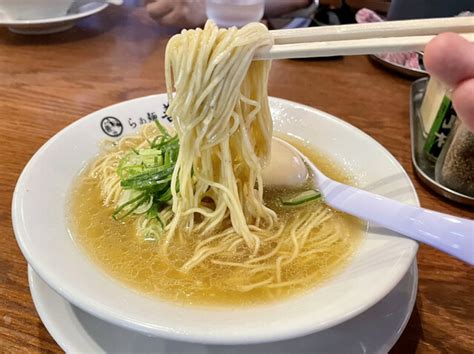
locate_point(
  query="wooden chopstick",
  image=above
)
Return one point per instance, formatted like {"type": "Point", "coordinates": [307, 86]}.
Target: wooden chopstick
{"type": "Point", "coordinates": [378, 29]}
{"type": "Point", "coordinates": [359, 39]}
{"type": "Point", "coordinates": [349, 47]}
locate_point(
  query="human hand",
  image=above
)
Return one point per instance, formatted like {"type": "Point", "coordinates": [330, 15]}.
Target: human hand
{"type": "Point", "coordinates": [179, 13]}
{"type": "Point", "coordinates": [450, 58]}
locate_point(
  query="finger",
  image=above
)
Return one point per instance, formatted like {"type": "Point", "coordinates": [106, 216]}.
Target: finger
{"type": "Point", "coordinates": [450, 58]}
{"type": "Point", "coordinates": [160, 8]}
{"type": "Point", "coordinates": [174, 18]}
{"type": "Point", "coordinates": [463, 101]}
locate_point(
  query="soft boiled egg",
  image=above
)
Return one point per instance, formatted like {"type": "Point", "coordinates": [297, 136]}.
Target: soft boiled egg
{"type": "Point", "coordinates": [286, 169]}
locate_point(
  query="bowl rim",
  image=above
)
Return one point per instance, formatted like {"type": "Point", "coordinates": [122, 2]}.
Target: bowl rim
{"type": "Point", "coordinates": [48, 318]}
{"type": "Point", "coordinates": [89, 305]}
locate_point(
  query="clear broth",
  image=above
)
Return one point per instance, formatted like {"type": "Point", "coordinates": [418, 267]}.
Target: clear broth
{"type": "Point", "coordinates": [116, 249]}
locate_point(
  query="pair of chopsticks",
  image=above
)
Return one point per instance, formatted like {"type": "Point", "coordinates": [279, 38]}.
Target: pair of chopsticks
{"type": "Point", "coordinates": [361, 39]}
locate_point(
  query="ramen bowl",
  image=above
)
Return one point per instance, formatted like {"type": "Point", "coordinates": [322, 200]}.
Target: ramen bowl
{"type": "Point", "coordinates": [39, 215]}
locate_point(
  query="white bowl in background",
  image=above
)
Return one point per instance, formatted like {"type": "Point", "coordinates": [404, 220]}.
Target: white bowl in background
{"type": "Point", "coordinates": [39, 221]}
{"type": "Point", "coordinates": [33, 9]}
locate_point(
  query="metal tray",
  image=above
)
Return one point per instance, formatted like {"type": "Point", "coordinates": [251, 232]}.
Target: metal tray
{"type": "Point", "coordinates": [424, 168]}
{"type": "Point", "coordinates": [400, 69]}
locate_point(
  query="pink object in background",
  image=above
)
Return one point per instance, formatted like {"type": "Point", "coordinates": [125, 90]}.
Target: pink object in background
{"type": "Point", "coordinates": [407, 59]}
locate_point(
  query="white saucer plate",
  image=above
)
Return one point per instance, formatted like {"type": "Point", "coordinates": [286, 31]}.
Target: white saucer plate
{"type": "Point", "coordinates": [374, 331]}
{"type": "Point", "coordinates": [56, 24]}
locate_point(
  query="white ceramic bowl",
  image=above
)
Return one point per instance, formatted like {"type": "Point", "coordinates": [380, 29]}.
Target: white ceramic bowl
{"type": "Point", "coordinates": [39, 222]}
{"type": "Point", "coordinates": [33, 9]}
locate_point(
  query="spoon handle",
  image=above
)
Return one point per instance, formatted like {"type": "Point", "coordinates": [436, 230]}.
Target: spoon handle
{"type": "Point", "coordinates": [447, 233]}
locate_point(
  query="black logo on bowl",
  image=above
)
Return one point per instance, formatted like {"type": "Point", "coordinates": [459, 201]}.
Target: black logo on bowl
{"type": "Point", "coordinates": [111, 126]}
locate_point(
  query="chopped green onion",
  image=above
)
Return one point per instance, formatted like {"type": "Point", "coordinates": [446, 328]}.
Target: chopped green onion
{"type": "Point", "coordinates": [149, 152]}
{"type": "Point", "coordinates": [145, 175]}
{"type": "Point", "coordinates": [160, 220]}
{"type": "Point", "coordinates": [161, 128]}
{"type": "Point", "coordinates": [166, 196]}
{"type": "Point", "coordinates": [301, 198]}
{"type": "Point", "coordinates": [153, 213]}
{"type": "Point", "coordinates": [134, 203]}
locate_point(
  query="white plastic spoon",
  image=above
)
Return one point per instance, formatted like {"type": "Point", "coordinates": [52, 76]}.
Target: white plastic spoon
{"type": "Point", "coordinates": [447, 233]}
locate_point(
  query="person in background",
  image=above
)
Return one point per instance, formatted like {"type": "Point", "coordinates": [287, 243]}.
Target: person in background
{"type": "Point", "coordinates": [192, 13]}
{"type": "Point", "coordinates": [450, 58]}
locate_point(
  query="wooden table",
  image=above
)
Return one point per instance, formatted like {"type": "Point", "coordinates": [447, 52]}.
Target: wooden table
{"type": "Point", "coordinates": [47, 82]}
